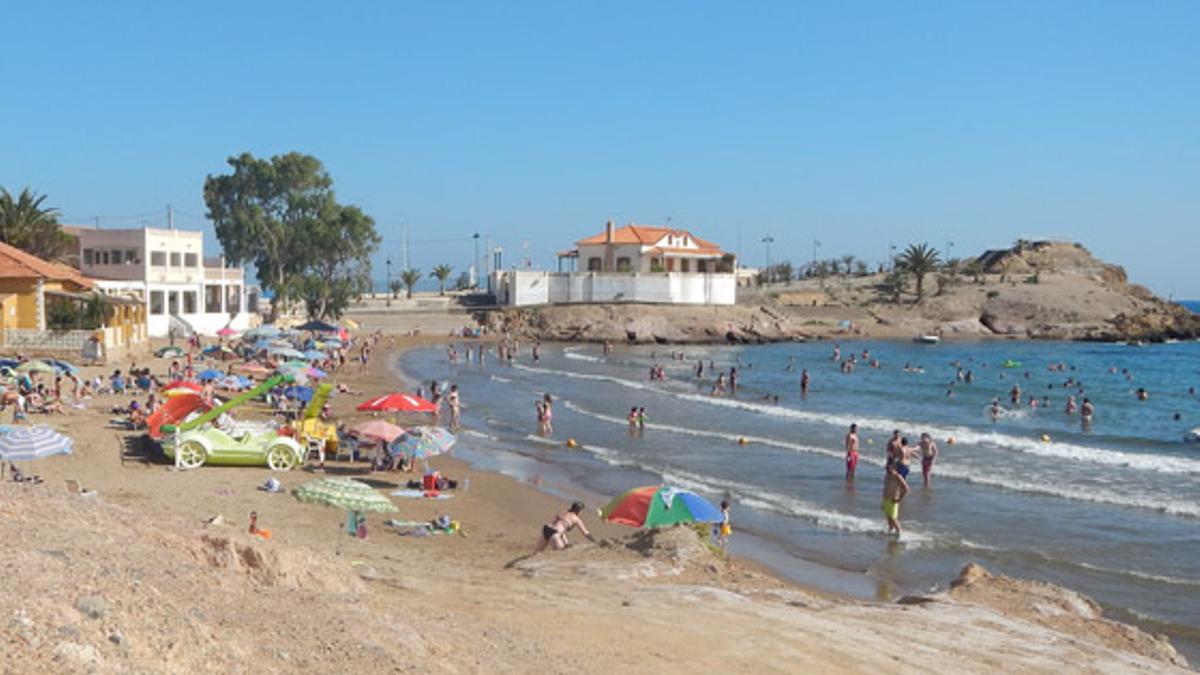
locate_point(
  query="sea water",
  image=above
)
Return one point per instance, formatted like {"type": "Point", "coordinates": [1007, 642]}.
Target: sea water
{"type": "Point", "coordinates": [1111, 510]}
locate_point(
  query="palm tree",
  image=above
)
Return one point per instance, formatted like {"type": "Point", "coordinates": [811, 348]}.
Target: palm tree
{"type": "Point", "coordinates": [893, 284]}
{"type": "Point", "coordinates": [29, 226]}
{"type": "Point", "coordinates": [441, 273]}
{"type": "Point", "coordinates": [410, 277]}
{"type": "Point", "coordinates": [919, 260]}
{"type": "Point", "coordinates": [394, 286]}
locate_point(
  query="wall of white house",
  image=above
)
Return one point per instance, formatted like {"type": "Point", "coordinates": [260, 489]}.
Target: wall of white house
{"type": "Point", "coordinates": [225, 301]}
{"type": "Point", "coordinates": [518, 288]}
{"type": "Point", "coordinates": [637, 261]}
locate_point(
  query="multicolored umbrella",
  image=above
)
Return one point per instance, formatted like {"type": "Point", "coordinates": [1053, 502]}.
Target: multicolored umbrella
{"type": "Point", "coordinates": [398, 402]}
{"type": "Point", "coordinates": [421, 442]}
{"type": "Point", "coordinates": [28, 443]}
{"type": "Point", "coordinates": [655, 506]}
{"type": "Point", "coordinates": [35, 367]}
{"type": "Point", "coordinates": [169, 350]}
{"type": "Point", "coordinates": [344, 493]}
{"type": "Point", "coordinates": [378, 430]}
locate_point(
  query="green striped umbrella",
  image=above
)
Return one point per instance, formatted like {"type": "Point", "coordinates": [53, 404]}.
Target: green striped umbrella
{"type": "Point", "coordinates": [344, 493]}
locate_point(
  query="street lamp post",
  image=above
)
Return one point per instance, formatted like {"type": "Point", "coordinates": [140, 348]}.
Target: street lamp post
{"type": "Point", "coordinates": [768, 240]}
{"type": "Point", "coordinates": [475, 261]}
{"type": "Point", "coordinates": [816, 245]}
{"type": "Point", "coordinates": [387, 291]}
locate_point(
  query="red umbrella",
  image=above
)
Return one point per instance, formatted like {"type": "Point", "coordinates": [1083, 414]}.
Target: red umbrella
{"type": "Point", "coordinates": [398, 402]}
{"type": "Point", "coordinates": [183, 384]}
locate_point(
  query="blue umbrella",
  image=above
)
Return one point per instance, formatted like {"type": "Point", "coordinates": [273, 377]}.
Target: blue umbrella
{"type": "Point", "coordinates": [62, 366]}
{"type": "Point", "coordinates": [210, 374]}
{"type": "Point", "coordinates": [266, 330]}
{"type": "Point", "coordinates": [287, 352]}
{"type": "Point", "coordinates": [422, 442]}
{"type": "Point", "coordinates": [315, 355]}
{"type": "Point", "coordinates": [29, 443]}
{"type": "Point", "coordinates": [304, 394]}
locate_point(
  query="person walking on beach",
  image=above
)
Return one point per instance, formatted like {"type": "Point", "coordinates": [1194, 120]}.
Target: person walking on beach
{"type": "Point", "coordinates": [455, 407]}
{"type": "Point", "coordinates": [929, 453]}
{"type": "Point", "coordinates": [895, 488]}
{"type": "Point", "coordinates": [851, 452]}
{"type": "Point", "coordinates": [554, 533]}
{"type": "Point", "coordinates": [805, 380]}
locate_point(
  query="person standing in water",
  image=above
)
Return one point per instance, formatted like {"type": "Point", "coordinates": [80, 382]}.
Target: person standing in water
{"type": "Point", "coordinates": [455, 407]}
{"type": "Point", "coordinates": [733, 381]}
{"type": "Point", "coordinates": [547, 415]}
{"type": "Point", "coordinates": [895, 488]}
{"type": "Point", "coordinates": [719, 386]}
{"type": "Point", "coordinates": [929, 453]}
{"type": "Point", "coordinates": [805, 380]}
{"type": "Point", "coordinates": [1086, 412]}
{"type": "Point", "coordinates": [851, 452]}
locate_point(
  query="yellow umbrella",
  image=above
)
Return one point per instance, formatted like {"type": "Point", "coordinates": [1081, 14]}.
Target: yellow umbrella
{"type": "Point", "coordinates": [351, 323]}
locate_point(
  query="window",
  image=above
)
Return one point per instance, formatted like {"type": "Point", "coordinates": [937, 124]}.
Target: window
{"type": "Point", "coordinates": [212, 299]}
{"type": "Point", "coordinates": [173, 302]}
{"type": "Point", "coordinates": [156, 302]}
{"type": "Point", "coordinates": [117, 254]}
{"type": "Point", "coordinates": [158, 258]}
{"type": "Point", "coordinates": [252, 302]}
{"type": "Point", "coordinates": [131, 256]}
{"type": "Point", "coordinates": [103, 257]}
{"type": "Point", "coordinates": [701, 265]}
{"type": "Point", "coordinates": [190, 260]}
{"type": "Point", "coordinates": [594, 264]}
{"type": "Point", "coordinates": [189, 302]}
{"type": "Point", "coordinates": [623, 264]}
{"type": "Point", "coordinates": [87, 256]}
{"type": "Point", "coordinates": [683, 265]}
{"type": "Point", "coordinates": [233, 299]}
{"type": "Point", "coordinates": [174, 258]}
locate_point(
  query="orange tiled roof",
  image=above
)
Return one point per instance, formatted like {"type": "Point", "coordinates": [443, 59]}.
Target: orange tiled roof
{"type": "Point", "coordinates": [704, 250]}
{"type": "Point", "coordinates": [645, 235]}
{"type": "Point", "coordinates": [17, 264]}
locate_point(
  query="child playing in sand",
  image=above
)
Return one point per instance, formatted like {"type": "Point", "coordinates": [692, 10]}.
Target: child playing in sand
{"type": "Point", "coordinates": [894, 490]}
{"type": "Point", "coordinates": [722, 530]}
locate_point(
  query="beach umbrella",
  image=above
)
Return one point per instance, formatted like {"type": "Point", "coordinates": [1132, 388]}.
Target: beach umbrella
{"type": "Point", "coordinates": [287, 353]}
{"type": "Point", "coordinates": [235, 382]}
{"type": "Point", "coordinates": [252, 369]}
{"type": "Point", "coordinates": [226, 332]}
{"type": "Point", "coordinates": [344, 493]}
{"type": "Point", "coordinates": [62, 366]}
{"type": "Point", "coordinates": [317, 326]}
{"type": "Point", "coordinates": [315, 372]}
{"type": "Point", "coordinates": [264, 331]}
{"type": "Point", "coordinates": [655, 506]}
{"type": "Point", "coordinates": [168, 351]}
{"type": "Point", "coordinates": [35, 367]}
{"type": "Point", "coordinates": [315, 355]}
{"type": "Point", "coordinates": [421, 442]}
{"type": "Point", "coordinates": [398, 402]}
{"type": "Point", "coordinates": [29, 443]}
{"type": "Point", "coordinates": [210, 374]}
{"type": "Point", "coordinates": [11, 364]}
{"type": "Point", "coordinates": [184, 384]}
{"type": "Point", "coordinates": [378, 430]}
{"type": "Point", "coordinates": [332, 343]}
{"type": "Point", "coordinates": [351, 323]}
{"type": "Point", "coordinates": [299, 393]}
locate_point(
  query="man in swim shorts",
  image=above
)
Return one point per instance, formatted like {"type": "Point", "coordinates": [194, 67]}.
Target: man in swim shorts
{"type": "Point", "coordinates": [851, 452]}
{"type": "Point", "coordinates": [894, 490]}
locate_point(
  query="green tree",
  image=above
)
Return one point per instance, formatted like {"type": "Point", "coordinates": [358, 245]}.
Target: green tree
{"type": "Point", "coordinates": [410, 277]}
{"type": "Point", "coordinates": [395, 287]}
{"type": "Point", "coordinates": [847, 264]}
{"type": "Point", "coordinates": [281, 214]}
{"type": "Point", "coordinates": [919, 260]}
{"type": "Point", "coordinates": [441, 273]}
{"type": "Point", "coordinates": [894, 283]}
{"type": "Point", "coordinates": [30, 226]}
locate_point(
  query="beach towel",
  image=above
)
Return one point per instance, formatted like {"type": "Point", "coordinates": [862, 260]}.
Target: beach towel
{"type": "Point", "coordinates": [420, 494]}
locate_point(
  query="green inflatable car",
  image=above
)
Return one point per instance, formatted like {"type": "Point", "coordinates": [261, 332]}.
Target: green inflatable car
{"type": "Point", "coordinates": [240, 444]}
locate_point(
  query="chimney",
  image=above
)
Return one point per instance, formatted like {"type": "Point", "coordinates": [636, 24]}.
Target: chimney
{"type": "Point", "coordinates": [608, 232]}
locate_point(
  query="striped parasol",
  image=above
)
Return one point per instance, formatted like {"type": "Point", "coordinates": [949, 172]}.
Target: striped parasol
{"type": "Point", "coordinates": [344, 493]}
{"type": "Point", "coordinates": [422, 442]}
{"type": "Point", "coordinates": [28, 443]}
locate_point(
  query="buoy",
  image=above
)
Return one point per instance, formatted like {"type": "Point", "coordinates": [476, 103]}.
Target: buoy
{"type": "Point", "coordinates": [870, 441]}
{"type": "Point", "coordinates": [1045, 438]}
{"type": "Point", "coordinates": [950, 441]}
{"type": "Point", "coordinates": [742, 440]}
{"type": "Point", "coordinates": [571, 443]}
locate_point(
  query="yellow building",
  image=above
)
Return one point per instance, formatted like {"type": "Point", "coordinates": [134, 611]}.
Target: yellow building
{"type": "Point", "coordinates": [32, 289]}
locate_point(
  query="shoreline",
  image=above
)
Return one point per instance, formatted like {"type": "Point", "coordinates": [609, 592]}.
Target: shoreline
{"type": "Point", "coordinates": [154, 554]}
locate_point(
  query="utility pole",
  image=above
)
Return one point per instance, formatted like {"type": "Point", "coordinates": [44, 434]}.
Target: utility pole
{"type": "Point", "coordinates": [405, 226]}
{"type": "Point", "coordinates": [96, 219]}
{"type": "Point", "coordinates": [170, 218]}
{"type": "Point", "coordinates": [475, 261]}
{"type": "Point", "coordinates": [768, 240]}
{"type": "Point", "coordinates": [387, 290]}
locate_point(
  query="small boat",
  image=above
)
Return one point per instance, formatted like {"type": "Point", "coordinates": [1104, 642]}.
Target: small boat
{"type": "Point", "coordinates": [927, 339]}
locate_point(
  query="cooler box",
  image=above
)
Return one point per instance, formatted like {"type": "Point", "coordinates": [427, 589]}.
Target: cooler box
{"type": "Point", "coordinates": [430, 481]}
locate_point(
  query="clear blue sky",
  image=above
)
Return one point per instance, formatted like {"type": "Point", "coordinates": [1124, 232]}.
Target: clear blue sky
{"type": "Point", "coordinates": [856, 124]}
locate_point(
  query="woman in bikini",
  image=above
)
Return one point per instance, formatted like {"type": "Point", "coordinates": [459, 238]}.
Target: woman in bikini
{"type": "Point", "coordinates": [554, 533]}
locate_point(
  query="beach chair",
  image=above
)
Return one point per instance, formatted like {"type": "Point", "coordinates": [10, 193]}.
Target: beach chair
{"type": "Point", "coordinates": [316, 448]}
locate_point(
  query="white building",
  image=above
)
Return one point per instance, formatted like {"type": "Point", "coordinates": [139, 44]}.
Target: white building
{"type": "Point", "coordinates": [167, 270]}
{"type": "Point", "coordinates": [635, 263]}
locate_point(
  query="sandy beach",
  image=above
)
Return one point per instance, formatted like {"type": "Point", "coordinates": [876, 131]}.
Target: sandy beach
{"type": "Point", "coordinates": [137, 577]}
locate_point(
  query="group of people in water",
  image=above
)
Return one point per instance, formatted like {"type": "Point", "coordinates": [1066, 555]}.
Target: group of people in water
{"type": "Point", "coordinates": [899, 455]}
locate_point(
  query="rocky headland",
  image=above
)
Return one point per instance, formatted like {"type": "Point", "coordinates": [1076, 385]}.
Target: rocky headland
{"type": "Point", "coordinates": [1034, 290]}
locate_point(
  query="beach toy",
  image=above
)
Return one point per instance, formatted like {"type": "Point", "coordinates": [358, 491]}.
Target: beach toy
{"type": "Point", "coordinates": [571, 443]}
{"type": "Point", "coordinates": [742, 440]}
{"type": "Point", "coordinates": [950, 441]}
{"type": "Point", "coordinates": [1045, 438]}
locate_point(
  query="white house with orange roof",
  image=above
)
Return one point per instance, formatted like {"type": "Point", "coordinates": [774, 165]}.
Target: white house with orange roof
{"type": "Point", "coordinates": [634, 263]}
